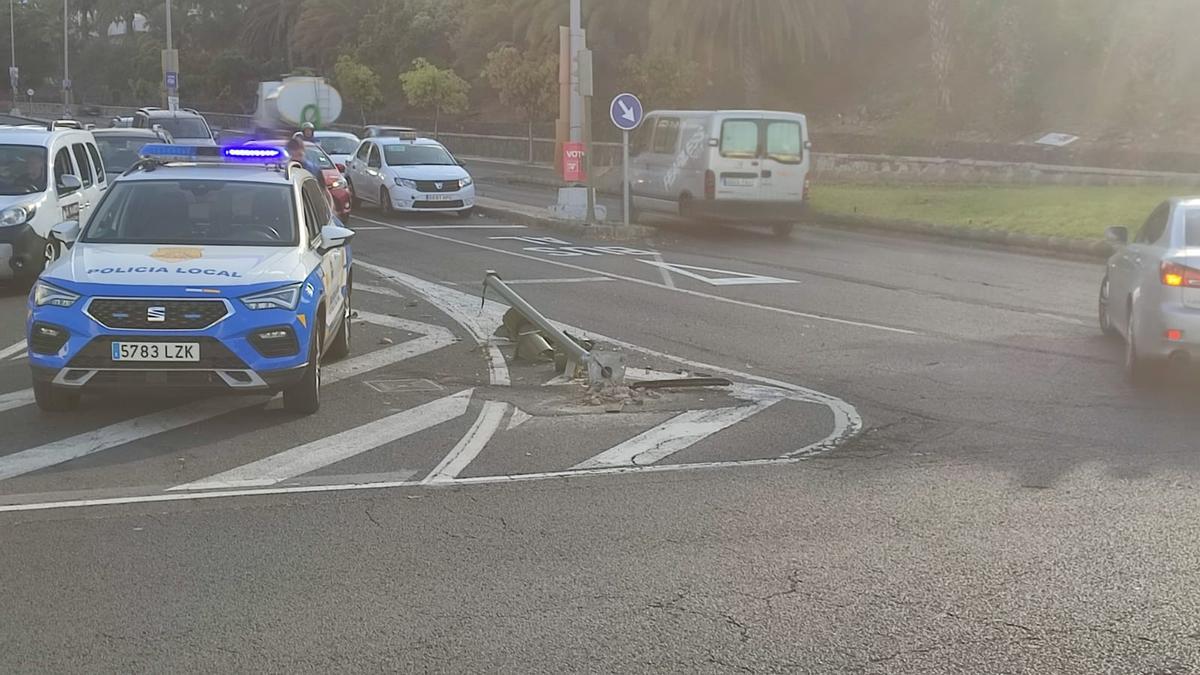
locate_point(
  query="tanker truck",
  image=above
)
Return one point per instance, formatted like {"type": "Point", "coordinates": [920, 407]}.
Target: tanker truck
{"type": "Point", "coordinates": [285, 105]}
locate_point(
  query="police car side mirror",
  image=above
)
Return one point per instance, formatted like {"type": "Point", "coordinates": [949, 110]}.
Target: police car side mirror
{"type": "Point", "coordinates": [68, 183]}
{"type": "Point", "coordinates": [66, 232]}
{"type": "Point", "coordinates": [335, 236]}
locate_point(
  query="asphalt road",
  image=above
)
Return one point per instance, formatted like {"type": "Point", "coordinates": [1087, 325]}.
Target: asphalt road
{"type": "Point", "coordinates": [1007, 505]}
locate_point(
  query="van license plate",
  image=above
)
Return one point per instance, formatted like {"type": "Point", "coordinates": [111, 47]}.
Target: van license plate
{"type": "Point", "coordinates": [156, 351]}
{"type": "Point", "coordinates": [739, 182]}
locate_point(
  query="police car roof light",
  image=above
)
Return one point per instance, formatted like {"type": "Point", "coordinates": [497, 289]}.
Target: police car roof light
{"type": "Point", "coordinates": [164, 152]}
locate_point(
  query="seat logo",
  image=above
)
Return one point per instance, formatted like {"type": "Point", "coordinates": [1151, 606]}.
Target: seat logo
{"type": "Point", "coordinates": [156, 314]}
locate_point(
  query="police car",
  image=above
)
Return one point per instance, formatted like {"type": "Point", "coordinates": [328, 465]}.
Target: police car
{"type": "Point", "coordinates": [202, 268]}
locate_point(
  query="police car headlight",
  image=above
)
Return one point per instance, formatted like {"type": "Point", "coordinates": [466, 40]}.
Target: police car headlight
{"type": "Point", "coordinates": [45, 294]}
{"type": "Point", "coordinates": [406, 183]}
{"type": "Point", "coordinates": [286, 297]}
{"type": "Point", "coordinates": [465, 182]}
{"type": "Point", "coordinates": [338, 184]}
{"type": "Point", "coordinates": [16, 215]}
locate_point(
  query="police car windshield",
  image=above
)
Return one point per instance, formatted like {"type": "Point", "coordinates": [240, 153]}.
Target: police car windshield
{"type": "Point", "coordinates": [337, 145]}
{"type": "Point", "coordinates": [408, 154]}
{"type": "Point", "coordinates": [197, 212]}
{"type": "Point", "coordinates": [183, 127]}
{"type": "Point", "coordinates": [120, 152]}
{"type": "Point", "coordinates": [22, 169]}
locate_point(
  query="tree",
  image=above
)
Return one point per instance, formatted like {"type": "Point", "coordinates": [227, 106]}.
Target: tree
{"type": "Point", "coordinates": [661, 79]}
{"type": "Point", "coordinates": [941, 52]}
{"type": "Point", "coordinates": [755, 32]}
{"type": "Point", "coordinates": [358, 82]}
{"type": "Point", "coordinates": [323, 27]}
{"type": "Point", "coordinates": [440, 89]}
{"type": "Point", "coordinates": [526, 81]}
{"type": "Point", "coordinates": [268, 26]}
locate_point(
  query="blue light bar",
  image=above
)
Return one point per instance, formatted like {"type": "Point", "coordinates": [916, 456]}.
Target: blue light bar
{"type": "Point", "coordinates": [164, 152]}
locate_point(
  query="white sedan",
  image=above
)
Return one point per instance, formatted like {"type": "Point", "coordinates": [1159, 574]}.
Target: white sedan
{"type": "Point", "coordinates": [412, 175]}
{"type": "Point", "coordinates": [339, 145]}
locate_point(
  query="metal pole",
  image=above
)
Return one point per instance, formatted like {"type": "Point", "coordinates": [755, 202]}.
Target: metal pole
{"type": "Point", "coordinates": [66, 64]}
{"type": "Point", "coordinates": [168, 25]}
{"type": "Point", "coordinates": [571, 347]}
{"type": "Point", "coordinates": [12, 38]}
{"type": "Point", "coordinates": [625, 174]}
{"type": "Point", "coordinates": [576, 118]}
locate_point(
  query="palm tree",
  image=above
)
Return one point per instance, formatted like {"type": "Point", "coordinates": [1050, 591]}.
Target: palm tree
{"type": "Point", "coordinates": [750, 33]}
{"type": "Point", "coordinates": [324, 27]}
{"type": "Point", "coordinates": [268, 26]}
{"type": "Point", "coordinates": [941, 51]}
{"type": "Point", "coordinates": [541, 18]}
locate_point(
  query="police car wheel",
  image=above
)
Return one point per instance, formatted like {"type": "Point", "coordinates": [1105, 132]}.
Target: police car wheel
{"type": "Point", "coordinates": [341, 344]}
{"type": "Point", "coordinates": [52, 399]}
{"type": "Point", "coordinates": [385, 202]}
{"type": "Point", "coordinates": [304, 397]}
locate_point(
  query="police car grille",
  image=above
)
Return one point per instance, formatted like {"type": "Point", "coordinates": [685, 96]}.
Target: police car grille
{"type": "Point", "coordinates": [176, 314]}
{"type": "Point", "coordinates": [213, 354]}
{"type": "Point", "coordinates": [432, 186]}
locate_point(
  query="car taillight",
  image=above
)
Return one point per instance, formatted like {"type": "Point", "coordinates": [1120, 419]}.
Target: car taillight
{"type": "Point", "coordinates": [710, 184]}
{"type": "Point", "coordinates": [1174, 274]}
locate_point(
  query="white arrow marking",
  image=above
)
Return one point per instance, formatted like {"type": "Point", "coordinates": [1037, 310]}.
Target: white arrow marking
{"type": "Point", "coordinates": [16, 399]}
{"type": "Point", "coordinates": [728, 279]}
{"type": "Point", "coordinates": [678, 433]}
{"type": "Point", "coordinates": [626, 111]}
{"type": "Point", "coordinates": [321, 453]}
{"type": "Point", "coordinates": [470, 445]}
{"type": "Point", "coordinates": [12, 349]}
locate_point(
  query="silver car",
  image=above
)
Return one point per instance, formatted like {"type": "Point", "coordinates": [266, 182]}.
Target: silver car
{"type": "Point", "coordinates": [1151, 291]}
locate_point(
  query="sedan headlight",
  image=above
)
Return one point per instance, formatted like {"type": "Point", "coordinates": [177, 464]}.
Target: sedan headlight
{"type": "Point", "coordinates": [16, 215]}
{"type": "Point", "coordinates": [287, 297]}
{"type": "Point", "coordinates": [465, 182]}
{"type": "Point", "coordinates": [45, 294]}
{"type": "Point", "coordinates": [406, 183]}
{"type": "Point", "coordinates": [338, 184]}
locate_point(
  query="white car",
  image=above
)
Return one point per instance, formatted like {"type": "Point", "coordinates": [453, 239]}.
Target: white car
{"type": "Point", "coordinates": [46, 177]}
{"type": "Point", "coordinates": [418, 175]}
{"type": "Point", "coordinates": [339, 145]}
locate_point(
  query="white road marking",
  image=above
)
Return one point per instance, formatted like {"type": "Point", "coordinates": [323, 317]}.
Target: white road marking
{"type": "Point", "coordinates": [470, 445]}
{"type": "Point", "coordinates": [644, 282]}
{"type": "Point", "coordinates": [668, 281]}
{"type": "Point", "coordinates": [16, 399]}
{"type": "Point", "coordinates": [518, 418]}
{"type": "Point", "coordinates": [678, 433]}
{"type": "Point", "coordinates": [128, 431]}
{"type": "Point", "coordinates": [12, 349]}
{"type": "Point", "coordinates": [369, 228]}
{"type": "Point", "coordinates": [377, 290]}
{"type": "Point", "coordinates": [323, 452]}
{"type": "Point", "coordinates": [20, 355]}
{"type": "Point", "coordinates": [574, 280]}
{"type": "Point", "coordinates": [467, 227]}
{"type": "Point", "coordinates": [728, 278]}
{"type": "Point", "coordinates": [437, 296]}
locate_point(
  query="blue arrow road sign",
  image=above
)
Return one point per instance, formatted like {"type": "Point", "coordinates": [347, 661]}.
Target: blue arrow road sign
{"type": "Point", "coordinates": [172, 80]}
{"type": "Point", "coordinates": [626, 112]}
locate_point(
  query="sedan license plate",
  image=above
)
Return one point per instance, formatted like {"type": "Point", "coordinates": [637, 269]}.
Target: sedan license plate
{"type": "Point", "coordinates": [156, 351]}
{"type": "Point", "coordinates": [739, 182]}
{"type": "Point", "coordinates": [439, 198]}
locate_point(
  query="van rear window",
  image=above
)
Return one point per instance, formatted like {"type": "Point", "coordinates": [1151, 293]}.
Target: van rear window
{"type": "Point", "coordinates": [739, 139]}
{"type": "Point", "coordinates": [784, 142]}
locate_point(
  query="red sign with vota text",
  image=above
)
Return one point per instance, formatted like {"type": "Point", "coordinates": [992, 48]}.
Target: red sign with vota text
{"type": "Point", "coordinates": [574, 166]}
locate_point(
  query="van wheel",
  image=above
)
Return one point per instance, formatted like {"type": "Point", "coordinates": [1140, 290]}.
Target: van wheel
{"type": "Point", "coordinates": [685, 207]}
{"type": "Point", "coordinates": [304, 397]}
{"type": "Point", "coordinates": [783, 229]}
{"type": "Point", "coordinates": [53, 399]}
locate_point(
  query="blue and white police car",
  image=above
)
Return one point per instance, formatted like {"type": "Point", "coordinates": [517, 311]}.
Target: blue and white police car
{"type": "Point", "coordinates": [201, 268]}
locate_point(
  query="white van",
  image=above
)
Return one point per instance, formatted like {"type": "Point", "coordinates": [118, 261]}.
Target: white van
{"type": "Point", "coordinates": [46, 177]}
{"type": "Point", "coordinates": [722, 165]}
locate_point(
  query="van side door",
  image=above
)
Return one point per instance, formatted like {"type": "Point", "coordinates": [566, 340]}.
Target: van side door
{"type": "Point", "coordinates": [70, 203]}
{"type": "Point", "coordinates": [663, 145]}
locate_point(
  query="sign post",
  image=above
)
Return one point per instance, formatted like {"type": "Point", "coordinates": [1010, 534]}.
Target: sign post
{"type": "Point", "coordinates": [626, 113]}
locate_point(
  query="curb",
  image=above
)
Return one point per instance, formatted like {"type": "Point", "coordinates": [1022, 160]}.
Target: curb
{"type": "Point", "coordinates": [973, 237]}
{"type": "Point", "coordinates": [1089, 250]}
{"type": "Point", "coordinates": [536, 217]}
